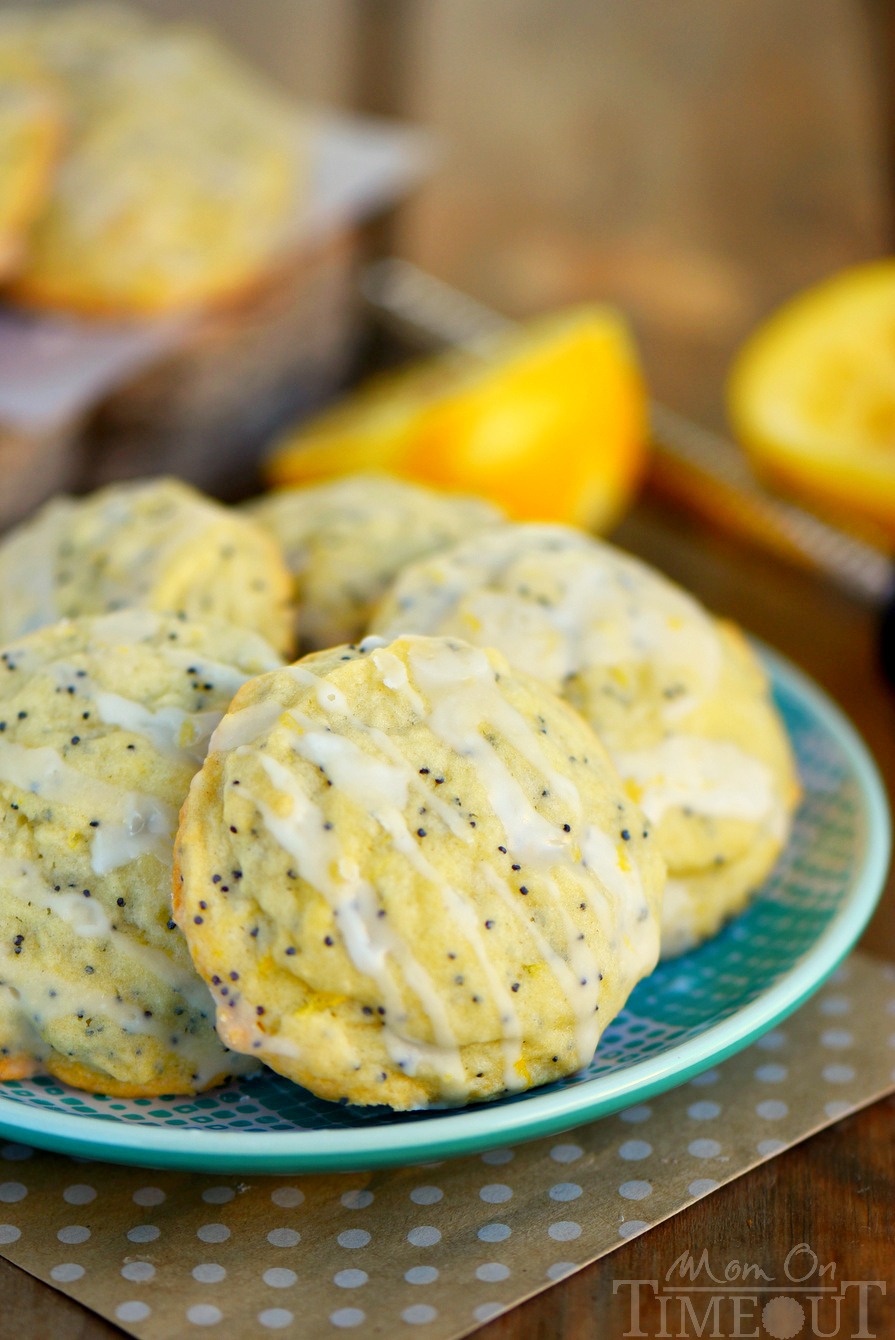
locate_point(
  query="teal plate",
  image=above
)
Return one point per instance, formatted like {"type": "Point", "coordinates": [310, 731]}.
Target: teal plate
{"type": "Point", "coordinates": [691, 1013]}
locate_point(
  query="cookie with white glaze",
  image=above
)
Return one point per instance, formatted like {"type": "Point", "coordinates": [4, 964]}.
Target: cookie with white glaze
{"type": "Point", "coordinates": [677, 697]}
{"type": "Point", "coordinates": [411, 877]}
{"type": "Point", "coordinates": [181, 171]}
{"type": "Point", "coordinates": [345, 541]}
{"type": "Point", "coordinates": [154, 543]}
{"type": "Point", "coordinates": [103, 722]}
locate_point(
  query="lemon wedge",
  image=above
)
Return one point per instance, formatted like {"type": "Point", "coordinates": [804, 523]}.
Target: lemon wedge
{"type": "Point", "coordinates": [550, 423]}
{"type": "Point", "coordinates": [811, 395]}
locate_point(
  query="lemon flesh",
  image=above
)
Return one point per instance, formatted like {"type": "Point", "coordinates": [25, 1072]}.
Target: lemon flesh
{"type": "Point", "coordinates": [811, 395]}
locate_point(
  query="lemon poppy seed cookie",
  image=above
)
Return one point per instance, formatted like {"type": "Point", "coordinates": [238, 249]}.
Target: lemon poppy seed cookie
{"type": "Point", "coordinates": [346, 539]}
{"type": "Point", "coordinates": [677, 697]}
{"type": "Point", "coordinates": [103, 722]}
{"type": "Point", "coordinates": [153, 543]}
{"type": "Point", "coordinates": [181, 172]}
{"type": "Point", "coordinates": [410, 876]}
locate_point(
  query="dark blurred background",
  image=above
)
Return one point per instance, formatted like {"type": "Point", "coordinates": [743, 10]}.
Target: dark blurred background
{"type": "Point", "coordinates": [694, 162]}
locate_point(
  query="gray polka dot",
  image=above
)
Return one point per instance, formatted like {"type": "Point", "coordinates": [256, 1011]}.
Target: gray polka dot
{"type": "Point", "coordinates": [421, 1275]}
{"type": "Point", "coordinates": [209, 1273]}
{"type": "Point", "coordinates": [425, 1235]}
{"type": "Point", "coordinates": [204, 1314]}
{"type": "Point", "coordinates": [132, 1311]}
{"type": "Point", "coordinates": [66, 1273]}
{"type": "Point", "coordinates": [283, 1237]}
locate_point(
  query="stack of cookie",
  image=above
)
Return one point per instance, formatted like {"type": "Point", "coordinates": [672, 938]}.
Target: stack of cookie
{"type": "Point", "coordinates": [425, 864]}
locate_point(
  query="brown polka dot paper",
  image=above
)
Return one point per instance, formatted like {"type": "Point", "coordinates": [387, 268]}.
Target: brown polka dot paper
{"type": "Point", "coordinates": [440, 1249]}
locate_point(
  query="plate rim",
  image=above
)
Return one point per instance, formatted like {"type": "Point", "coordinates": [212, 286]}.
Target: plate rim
{"type": "Point", "coordinates": [466, 1132]}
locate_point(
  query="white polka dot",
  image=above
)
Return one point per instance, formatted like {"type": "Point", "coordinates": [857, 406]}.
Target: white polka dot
{"type": "Point", "coordinates": [277, 1318]}
{"type": "Point", "coordinates": [426, 1195]}
{"type": "Point", "coordinates": [9, 1233]}
{"type": "Point", "coordinates": [768, 1147]}
{"type": "Point", "coordinates": [421, 1275]}
{"type": "Point", "coordinates": [494, 1232]}
{"type": "Point", "coordinates": [496, 1157]}
{"type": "Point", "coordinates": [837, 1038]}
{"type": "Point", "coordinates": [149, 1195]}
{"type": "Point", "coordinates": [564, 1191]}
{"type": "Point", "coordinates": [632, 1227]}
{"type": "Point", "coordinates": [66, 1273]}
{"type": "Point", "coordinates": [213, 1233]}
{"type": "Point", "coordinates": [204, 1314]}
{"type": "Point", "coordinates": [73, 1234]}
{"type": "Point", "coordinates": [703, 1111]}
{"type": "Point", "coordinates": [488, 1311]}
{"type": "Point", "coordinates": [357, 1200]}
{"type": "Point", "coordinates": [706, 1079]}
{"type": "Point", "coordinates": [635, 1190]}
{"type": "Point", "coordinates": [635, 1115]}
{"type": "Point", "coordinates": [424, 1236]}
{"type": "Point", "coordinates": [702, 1186]}
{"type": "Point", "coordinates": [345, 1317]}
{"type": "Point", "coordinates": [835, 1005]}
{"type": "Point", "coordinates": [560, 1269]}
{"type": "Point", "coordinates": [17, 1153]}
{"type": "Point", "coordinates": [218, 1195]}
{"type": "Point", "coordinates": [771, 1074]}
{"type": "Point", "coordinates": [492, 1272]}
{"type": "Point", "coordinates": [564, 1231]}
{"type": "Point", "coordinates": [353, 1237]}
{"type": "Point", "coordinates": [132, 1311]}
{"type": "Point", "coordinates": [79, 1195]}
{"type": "Point", "coordinates": [496, 1193]}
{"type": "Point", "coordinates": [279, 1278]}
{"type": "Point", "coordinates": [632, 1150]}
{"type": "Point", "coordinates": [566, 1153]}
{"type": "Point", "coordinates": [837, 1108]}
{"type": "Point", "coordinates": [138, 1271]}
{"type": "Point", "coordinates": [10, 1192]}
{"type": "Point", "coordinates": [419, 1314]}
{"type": "Point", "coordinates": [773, 1041]}
{"type": "Point", "coordinates": [283, 1237]}
{"type": "Point", "coordinates": [838, 1074]}
{"type": "Point", "coordinates": [352, 1279]}
{"type": "Point", "coordinates": [771, 1109]}
{"type": "Point", "coordinates": [144, 1233]}
{"type": "Point", "coordinates": [209, 1273]}
{"type": "Point", "coordinates": [287, 1197]}
{"type": "Point", "coordinates": [704, 1149]}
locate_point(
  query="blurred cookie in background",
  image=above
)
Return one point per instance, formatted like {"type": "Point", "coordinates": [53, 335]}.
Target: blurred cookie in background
{"type": "Point", "coordinates": [182, 170]}
{"type": "Point", "coordinates": [155, 544]}
{"type": "Point", "coordinates": [346, 539]}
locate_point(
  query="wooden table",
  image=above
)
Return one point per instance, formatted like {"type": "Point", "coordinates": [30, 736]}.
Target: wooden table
{"type": "Point", "coordinates": [835, 1191]}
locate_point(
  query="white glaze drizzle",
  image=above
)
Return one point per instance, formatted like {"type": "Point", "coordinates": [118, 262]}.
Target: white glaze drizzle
{"type": "Point", "coordinates": [710, 777]}
{"type": "Point", "coordinates": [180, 735]}
{"type": "Point", "coordinates": [131, 824]}
{"type": "Point", "coordinates": [369, 939]}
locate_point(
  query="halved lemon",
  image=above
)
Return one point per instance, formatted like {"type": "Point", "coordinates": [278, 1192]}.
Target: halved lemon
{"type": "Point", "coordinates": [811, 394]}
{"type": "Point", "coordinates": [550, 422]}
